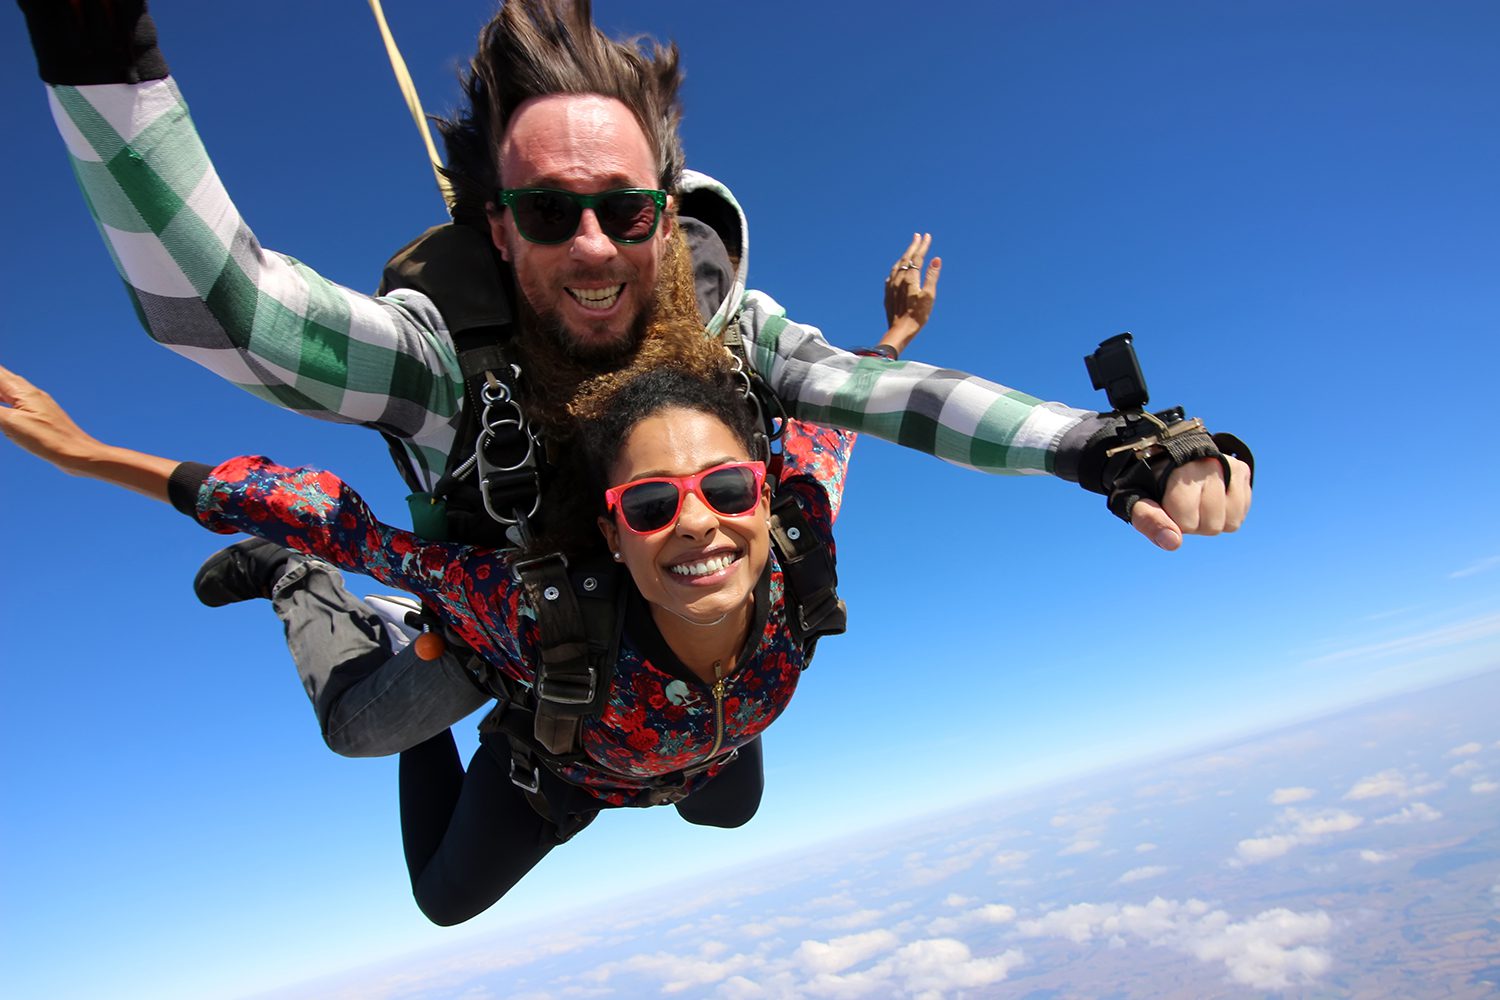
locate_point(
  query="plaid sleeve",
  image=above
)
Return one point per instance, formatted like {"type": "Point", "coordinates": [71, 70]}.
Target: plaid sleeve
{"type": "Point", "coordinates": [957, 417]}
{"type": "Point", "coordinates": [204, 287]}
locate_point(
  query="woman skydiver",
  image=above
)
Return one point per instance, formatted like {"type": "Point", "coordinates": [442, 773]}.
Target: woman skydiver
{"type": "Point", "coordinates": [708, 657]}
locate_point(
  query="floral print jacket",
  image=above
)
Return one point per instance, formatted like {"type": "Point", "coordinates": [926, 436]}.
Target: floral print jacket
{"type": "Point", "coordinates": [660, 718]}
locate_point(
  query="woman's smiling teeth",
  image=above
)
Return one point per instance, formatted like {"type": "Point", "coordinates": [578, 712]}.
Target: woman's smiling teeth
{"type": "Point", "coordinates": [596, 298]}
{"type": "Point", "coordinates": [704, 567]}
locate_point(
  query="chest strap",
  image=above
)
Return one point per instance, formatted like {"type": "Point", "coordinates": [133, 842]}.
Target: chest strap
{"type": "Point", "coordinates": [580, 617]}
{"type": "Point", "coordinates": [814, 607]}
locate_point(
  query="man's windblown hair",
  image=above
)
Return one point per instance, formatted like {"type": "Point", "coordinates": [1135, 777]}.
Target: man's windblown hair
{"type": "Point", "coordinates": [533, 48]}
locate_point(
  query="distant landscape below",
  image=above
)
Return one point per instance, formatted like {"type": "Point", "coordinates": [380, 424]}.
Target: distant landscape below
{"type": "Point", "coordinates": [1357, 855]}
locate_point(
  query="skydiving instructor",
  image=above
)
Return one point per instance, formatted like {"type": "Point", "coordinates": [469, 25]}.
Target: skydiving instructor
{"type": "Point", "coordinates": [565, 145]}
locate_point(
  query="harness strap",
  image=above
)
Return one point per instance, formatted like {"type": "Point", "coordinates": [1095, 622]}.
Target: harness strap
{"type": "Point", "coordinates": [475, 359]}
{"type": "Point", "coordinates": [1157, 444]}
{"type": "Point", "coordinates": [807, 566]}
{"type": "Point", "coordinates": [535, 770]}
{"type": "Point", "coordinates": [765, 403]}
{"type": "Point", "coordinates": [579, 639]}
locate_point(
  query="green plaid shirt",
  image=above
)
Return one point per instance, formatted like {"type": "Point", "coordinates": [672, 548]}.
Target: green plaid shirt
{"type": "Point", "coordinates": [205, 288]}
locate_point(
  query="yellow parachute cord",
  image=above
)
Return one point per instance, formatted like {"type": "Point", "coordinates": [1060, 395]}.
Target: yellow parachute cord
{"type": "Point", "coordinates": [413, 103]}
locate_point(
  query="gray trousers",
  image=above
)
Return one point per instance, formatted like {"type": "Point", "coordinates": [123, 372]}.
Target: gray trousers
{"type": "Point", "coordinates": [371, 698]}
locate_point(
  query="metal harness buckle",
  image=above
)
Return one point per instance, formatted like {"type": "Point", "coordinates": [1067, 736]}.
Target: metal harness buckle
{"type": "Point", "coordinates": [564, 693]}
{"type": "Point", "coordinates": [503, 422]}
{"type": "Point", "coordinates": [533, 785]}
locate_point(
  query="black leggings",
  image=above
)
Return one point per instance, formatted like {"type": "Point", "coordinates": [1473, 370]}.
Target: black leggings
{"type": "Point", "coordinates": [469, 837]}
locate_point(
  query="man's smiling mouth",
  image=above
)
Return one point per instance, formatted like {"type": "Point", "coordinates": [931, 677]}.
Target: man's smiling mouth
{"type": "Point", "coordinates": [596, 298]}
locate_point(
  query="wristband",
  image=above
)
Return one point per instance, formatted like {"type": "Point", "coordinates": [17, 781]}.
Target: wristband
{"type": "Point", "coordinates": [878, 351]}
{"type": "Point", "coordinates": [88, 42]}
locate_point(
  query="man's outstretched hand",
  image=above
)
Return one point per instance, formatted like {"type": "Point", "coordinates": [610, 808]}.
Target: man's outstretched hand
{"type": "Point", "coordinates": [1196, 502]}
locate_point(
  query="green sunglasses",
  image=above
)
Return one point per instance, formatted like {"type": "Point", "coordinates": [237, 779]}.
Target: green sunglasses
{"type": "Point", "coordinates": [550, 216]}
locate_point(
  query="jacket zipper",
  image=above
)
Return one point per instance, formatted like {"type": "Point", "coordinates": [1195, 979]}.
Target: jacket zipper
{"type": "Point", "coordinates": [718, 690]}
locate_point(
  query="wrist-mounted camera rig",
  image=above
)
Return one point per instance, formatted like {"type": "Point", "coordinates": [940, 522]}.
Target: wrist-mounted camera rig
{"type": "Point", "coordinates": [1136, 453]}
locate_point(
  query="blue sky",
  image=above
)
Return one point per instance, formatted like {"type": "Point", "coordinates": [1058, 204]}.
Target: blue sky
{"type": "Point", "coordinates": [1291, 205]}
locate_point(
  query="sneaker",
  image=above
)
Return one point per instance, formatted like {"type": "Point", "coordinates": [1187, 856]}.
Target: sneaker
{"type": "Point", "coordinates": [244, 570]}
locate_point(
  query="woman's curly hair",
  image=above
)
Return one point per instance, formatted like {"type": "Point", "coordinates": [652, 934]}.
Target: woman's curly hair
{"type": "Point", "coordinates": [703, 376]}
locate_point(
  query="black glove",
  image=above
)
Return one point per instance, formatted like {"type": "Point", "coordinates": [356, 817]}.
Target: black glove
{"type": "Point", "coordinates": [83, 42]}
{"type": "Point", "coordinates": [1130, 457]}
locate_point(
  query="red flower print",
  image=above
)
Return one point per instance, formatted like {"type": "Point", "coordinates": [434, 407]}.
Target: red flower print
{"type": "Point", "coordinates": [643, 739]}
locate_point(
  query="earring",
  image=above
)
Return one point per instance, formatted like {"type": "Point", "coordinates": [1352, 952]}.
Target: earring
{"type": "Point", "coordinates": [617, 557]}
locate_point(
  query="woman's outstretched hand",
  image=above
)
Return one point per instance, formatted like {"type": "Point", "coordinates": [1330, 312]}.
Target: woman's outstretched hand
{"type": "Point", "coordinates": [908, 295]}
{"type": "Point", "coordinates": [31, 418]}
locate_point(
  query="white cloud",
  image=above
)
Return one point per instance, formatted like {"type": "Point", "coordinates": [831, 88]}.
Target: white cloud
{"type": "Point", "coordinates": [1286, 796]}
{"type": "Point", "coordinates": [956, 901]}
{"type": "Point", "coordinates": [942, 964]}
{"type": "Point", "coordinates": [840, 953]}
{"type": "Point", "coordinates": [1375, 857]}
{"type": "Point", "coordinates": [1323, 824]}
{"type": "Point", "coordinates": [765, 928]}
{"type": "Point", "coordinates": [1377, 785]}
{"type": "Point", "coordinates": [923, 970]}
{"type": "Point", "coordinates": [676, 972]}
{"type": "Point", "coordinates": [740, 988]}
{"type": "Point", "coordinates": [1077, 922]}
{"type": "Point", "coordinates": [1392, 783]}
{"type": "Point", "coordinates": [1475, 567]}
{"type": "Point", "coordinates": [1271, 950]}
{"type": "Point", "coordinates": [995, 913]}
{"type": "Point", "coordinates": [1079, 847]}
{"type": "Point", "coordinates": [917, 871]}
{"type": "Point", "coordinates": [1145, 848]}
{"type": "Point", "coordinates": [1088, 816]}
{"type": "Point", "coordinates": [1144, 872]}
{"type": "Point", "coordinates": [945, 926]}
{"type": "Point", "coordinates": [849, 921]}
{"type": "Point", "coordinates": [1417, 812]}
{"type": "Point", "coordinates": [1212, 762]}
{"type": "Point", "coordinates": [1483, 786]}
{"type": "Point", "coordinates": [838, 900]}
{"type": "Point", "coordinates": [1294, 828]}
{"type": "Point", "coordinates": [1008, 859]}
{"type": "Point", "coordinates": [1267, 952]}
{"type": "Point", "coordinates": [1480, 627]}
{"type": "Point", "coordinates": [1465, 750]}
{"type": "Point", "coordinates": [1255, 849]}
{"type": "Point", "coordinates": [992, 913]}
{"type": "Point", "coordinates": [1467, 767]}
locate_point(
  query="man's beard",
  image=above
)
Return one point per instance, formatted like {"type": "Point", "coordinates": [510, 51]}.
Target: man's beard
{"type": "Point", "coordinates": [592, 353]}
{"type": "Point", "coordinates": [555, 362]}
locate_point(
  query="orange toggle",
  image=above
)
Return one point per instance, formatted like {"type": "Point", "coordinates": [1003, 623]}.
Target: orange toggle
{"type": "Point", "coordinates": [429, 646]}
